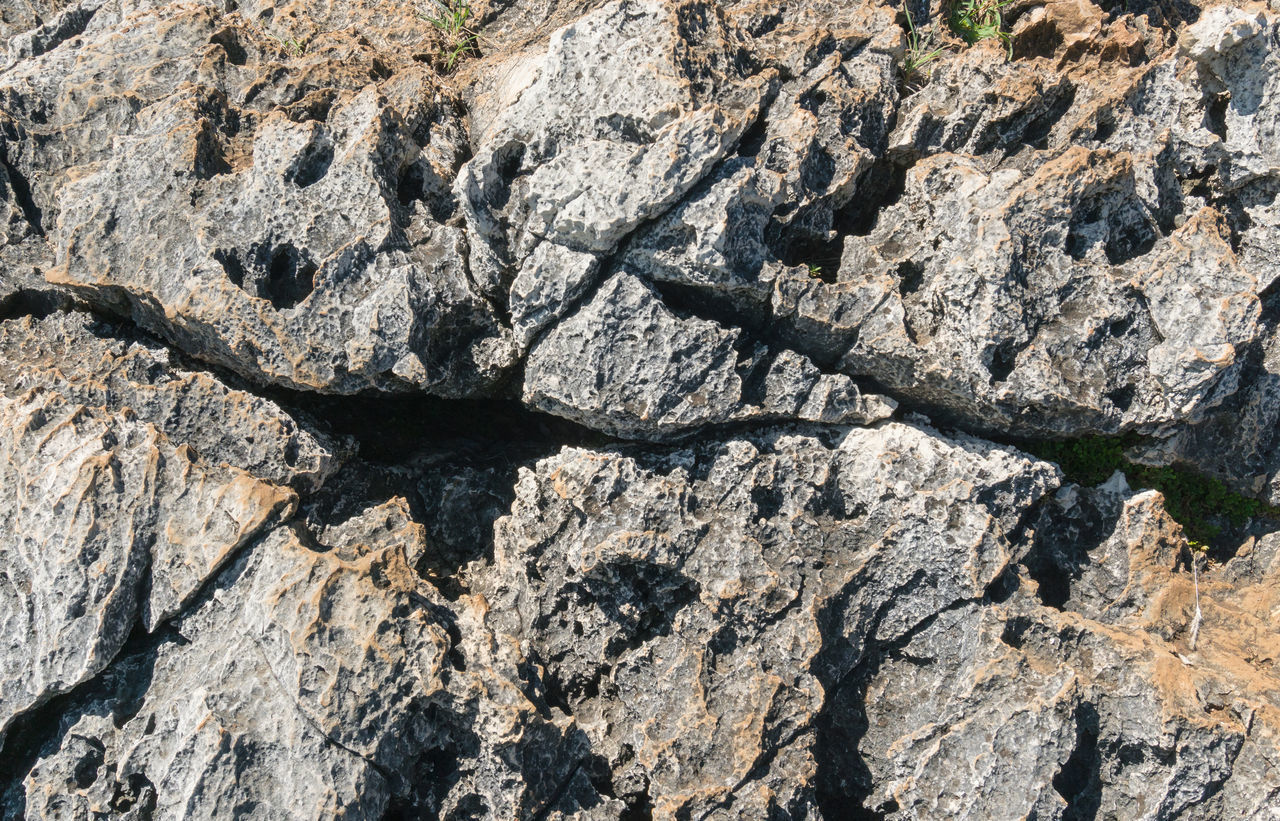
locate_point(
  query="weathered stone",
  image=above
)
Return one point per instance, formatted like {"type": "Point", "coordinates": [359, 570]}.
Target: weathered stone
{"type": "Point", "coordinates": [300, 693]}
{"type": "Point", "coordinates": [109, 524]}
{"type": "Point", "coordinates": [723, 587]}
{"type": "Point", "coordinates": [728, 229]}
{"type": "Point", "coordinates": [622, 114]}
{"type": "Point", "coordinates": [626, 364]}
{"type": "Point", "coordinates": [81, 359]}
{"type": "Point", "coordinates": [1110, 707]}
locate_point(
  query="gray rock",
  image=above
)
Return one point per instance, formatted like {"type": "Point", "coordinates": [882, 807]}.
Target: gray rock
{"type": "Point", "coordinates": [724, 587]}
{"type": "Point", "coordinates": [110, 525]}
{"type": "Point", "coordinates": [81, 359]}
{"type": "Point", "coordinates": [299, 694]}
{"type": "Point", "coordinates": [626, 364]}
{"type": "Point", "coordinates": [278, 212]}
{"type": "Point", "coordinates": [621, 116]}
{"type": "Point", "coordinates": [1125, 718]}
{"type": "Point", "coordinates": [322, 680]}
{"type": "Point", "coordinates": [734, 231]}
{"type": "Point", "coordinates": [263, 299]}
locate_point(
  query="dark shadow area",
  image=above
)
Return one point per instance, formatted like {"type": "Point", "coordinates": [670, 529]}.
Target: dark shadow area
{"type": "Point", "coordinates": [1063, 541]}
{"type": "Point", "coordinates": [642, 599]}
{"type": "Point", "coordinates": [1118, 223]}
{"type": "Point", "coordinates": [36, 304]}
{"type": "Point", "coordinates": [437, 769]}
{"type": "Point", "coordinates": [455, 461]}
{"type": "Point", "coordinates": [1079, 782]}
{"type": "Point", "coordinates": [21, 189]}
{"type": "Point", "coordinates": [281, 274]}
{"type": "Point", "coordinates": [389, 430]}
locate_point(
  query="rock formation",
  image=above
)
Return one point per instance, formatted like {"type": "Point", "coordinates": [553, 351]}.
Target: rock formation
{"type": "Point", "coordinates": [630, 413]}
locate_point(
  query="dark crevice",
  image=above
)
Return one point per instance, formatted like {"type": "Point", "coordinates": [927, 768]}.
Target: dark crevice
{"type": "Point", "coordinates": [558, 793]}
{"type": "Point", "coordinates": [21, 191]}
{"type": "Point", "coordinates": [910, 277]}
{"type": "Point", "coordinates": [693, 302]}
{"type": "Point", "coordinates": [1215, 114]}
{"type": "Point", "coordinates": [753, 138]}
{"type": "Point", "coordinates": [640, 809]}
{"type": "Point", "coordinates": [758, 770]}
{"type": "Point", "coordinates": [1064, 540]}
{"type": "Point", "coordinates": [881, 188]}
{"type": "Point", "coordinates": [1079, 782]}
{"type": "Point", "coordinates": [37, 304]}
{"type": "Point", "coordinates": [391, 430]}
{"type": "Point", "coordinates": [1027, 126]}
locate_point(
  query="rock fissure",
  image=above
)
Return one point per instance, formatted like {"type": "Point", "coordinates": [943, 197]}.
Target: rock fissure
{"type": "Point", "coordinates": [555, 439]}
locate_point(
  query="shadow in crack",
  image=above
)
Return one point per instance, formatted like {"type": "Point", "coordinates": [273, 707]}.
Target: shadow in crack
{"type": "Point", "coordinates": [118, 692]}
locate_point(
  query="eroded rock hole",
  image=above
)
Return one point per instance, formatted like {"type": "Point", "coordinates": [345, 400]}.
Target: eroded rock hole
{"type": "Point", "coordinates": [1122, 397]}
{"type": "Point", "coordinates": [910, 277]}
{"type": "Point", "coordinates": [312, 164]}
{"type": "Point", "coordinates": [1039, 39]}
{"type": "Point", "coordinates": [1003, 361]}
{"type": "Point", "coordinates": [753, 139]}
{"type": "Point", "coordinates": [1079, 781]}
{"type": "Point", "coordinates": [1215, 115]}
{"type": "Point", "coordinates": [136, 795]}
{"type": "Point", "coordinates": [507, 162]}
{"type": "Point", "coordinates": [280, 274]}
{"type": "Point", "coordinates": [411, 185]}
{"type": "Point", "coordinates": [230, 43]}
{"type": "Point", "coordinates": [1117, 226]}
{"type": "Point", "coordinates": [881, 188]}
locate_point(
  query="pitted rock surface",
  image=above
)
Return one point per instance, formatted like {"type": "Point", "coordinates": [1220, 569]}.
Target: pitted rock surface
{"type": "Point", "coordinates": [618, 415]}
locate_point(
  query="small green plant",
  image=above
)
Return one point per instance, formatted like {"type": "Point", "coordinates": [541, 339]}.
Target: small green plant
{"type": "Point", "coordinates": [293, 46]}
{"type": "Point", "coordinates": [976, 20]}
{"type": "Point", "coordinates": [1199, 503]}
{"type": "Point", "coordinates": [452, 19]}
{"type": "Point", "coordinates": [921, 50]}
{"type": "Point", "coordinates": [815, 271]}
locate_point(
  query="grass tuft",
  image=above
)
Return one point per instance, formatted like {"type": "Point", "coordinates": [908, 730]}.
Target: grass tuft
{"type": "Point", "coordinates": [921, 50]}
{"type": "Point", "coordinates": [452, 18]}
{"type": "Point", "coordinates": [977, 20]}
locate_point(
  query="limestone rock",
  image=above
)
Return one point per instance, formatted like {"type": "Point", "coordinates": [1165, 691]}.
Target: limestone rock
{"type": "Point", "coordinates": [624, 112]}
{"type": "Point", "coordinates": [87, 363]}
{"type": "Point", "coordinates": [725, 586]}
{"type": "Point", "coordinates": [316, 352]}
{"type": "Point", "coordinates": [626, 364]}
{"type": "Point", "coordinates": [341, 288]}
{"type": "Point", "coordinates": [110, 523]}
{"type": "Point", "coordinates": [299, 693]}
{"type": "Point", "coordinates": [1127, 718]}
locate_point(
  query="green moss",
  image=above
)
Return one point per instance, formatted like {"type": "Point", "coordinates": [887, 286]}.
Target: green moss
{"type": "Point", "coordinates": [1202, 505]}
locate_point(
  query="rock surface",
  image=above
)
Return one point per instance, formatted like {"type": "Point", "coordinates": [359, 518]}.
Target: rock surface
{"type": "Point", "coordinates": [617, 416]}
